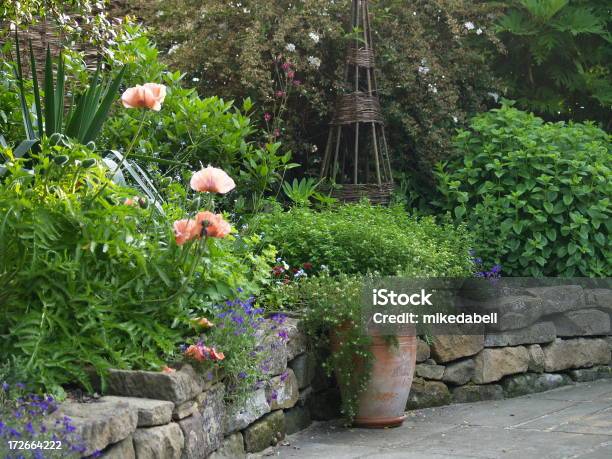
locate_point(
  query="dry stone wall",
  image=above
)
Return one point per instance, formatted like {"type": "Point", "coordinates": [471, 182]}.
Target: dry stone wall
{"type": "Point", "coordinates": [547, 337]}
{"type": "Point", "coordinates": [183, 415]}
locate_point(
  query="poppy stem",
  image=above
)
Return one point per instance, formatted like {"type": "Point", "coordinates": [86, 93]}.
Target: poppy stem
{"type": "Point", "coordinates": [127, 153]}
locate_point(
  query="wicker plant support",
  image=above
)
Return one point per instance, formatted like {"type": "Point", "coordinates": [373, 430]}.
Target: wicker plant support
{"type": "Point", "coordinates": [357, 155]}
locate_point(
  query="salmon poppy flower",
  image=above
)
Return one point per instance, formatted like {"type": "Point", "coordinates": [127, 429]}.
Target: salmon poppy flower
{"type": "Point", "coordinates": [205, 323]}
{"type": "Point", "coordinates": [185, 231]}
{"type": "Point", "coordinates": [216, 355]}
{"type": "Point", "coordinates": [195, 352]}
{"type": "Point", "coordinates": [212, 180]}
{"type": "Point", "coordinates": [149, 95]}
{"type": "Point", "coordinates": [168, 370]}
{"type": "Point", "coordinates": [215, 225]}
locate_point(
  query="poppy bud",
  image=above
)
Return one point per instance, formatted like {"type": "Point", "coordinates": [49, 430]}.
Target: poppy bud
{"type": "Point", "coordinates": [61, 160]}
{"type": "Point", "coordinates": [86, 164]}
{"type": "Point", "coordinates": [55, 138]}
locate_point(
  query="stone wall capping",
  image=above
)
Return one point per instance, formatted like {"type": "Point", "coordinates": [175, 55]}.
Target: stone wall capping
{"type": "Point", "coordinates": [150, 412]}
{"type": "Point", "coordinates": [586, 322]}
{"type": "Point", "coordinates": [180, 386]}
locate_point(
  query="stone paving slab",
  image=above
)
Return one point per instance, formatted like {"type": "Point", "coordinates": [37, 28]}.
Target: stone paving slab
{"type": "Point", "coordinates": [570, 422]}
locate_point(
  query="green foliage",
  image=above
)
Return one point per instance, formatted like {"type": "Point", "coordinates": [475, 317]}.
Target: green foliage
{"type": "Point", "coordinates": [300, 192]}
{"type": "Point", "coordinates": [362, 238]}
{"type": "Point", "coordinates": [11, 121]}
{"type": "Point", "coordinates": [559, 55]}
{"type": "Point", "coordinates": [232, 50]}
{"type": "Point", "coordinates": [536, 195]}
{"type": "Point", "coordinates": [95, 283]}
{"type": "Point", "coordinates": [83, 120]}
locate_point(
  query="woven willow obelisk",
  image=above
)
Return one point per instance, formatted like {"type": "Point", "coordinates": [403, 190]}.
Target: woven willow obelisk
{"type": "Point", "coordinates": [357, 156]}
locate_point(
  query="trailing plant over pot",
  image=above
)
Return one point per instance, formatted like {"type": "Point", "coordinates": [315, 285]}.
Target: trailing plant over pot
{"type": "Point", "coordinates": [331, 312]}
{"type": "Point", "coordinates": [374, 373]}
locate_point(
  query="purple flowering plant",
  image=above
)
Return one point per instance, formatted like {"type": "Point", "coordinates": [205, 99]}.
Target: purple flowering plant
{"type": "Point", "coordinates": [240, 330]}
{"type": "Point", "coordinates": [31, 428]}
{"type": "Point", "coordinates": [481, 271]}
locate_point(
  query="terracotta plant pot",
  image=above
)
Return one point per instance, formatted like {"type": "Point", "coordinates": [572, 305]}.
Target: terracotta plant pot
{"type": "Point", "coordinates": [383, 403]}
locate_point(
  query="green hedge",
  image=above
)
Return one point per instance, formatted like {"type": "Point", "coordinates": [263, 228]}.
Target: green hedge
{"type": "Point", "coordinates": [536, 195]}
{"type": "Point", "coordinates": [362, 238]}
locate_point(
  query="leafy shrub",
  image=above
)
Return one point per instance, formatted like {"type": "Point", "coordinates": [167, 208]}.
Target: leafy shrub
{"type": "Point", "coordinates": [362, 238]}
{"type": "Point", "coordinates": [433, 73]}
{"type": "Point", "coordinates": [191, 131]}
{"type": "Point", "coordinates": [96, 282]}
{"type": "Point", "coordinates": [559, 55]}
{"type": "Point", "coordinates": [536, 195]}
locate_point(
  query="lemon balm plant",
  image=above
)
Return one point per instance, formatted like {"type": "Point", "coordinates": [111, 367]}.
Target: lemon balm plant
{"type": "Point", "coordinates": [535, 195]}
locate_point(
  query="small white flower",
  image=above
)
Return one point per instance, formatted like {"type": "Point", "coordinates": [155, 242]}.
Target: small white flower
{"type": "Point", "coordinates": [493, 95]}
{"type": "Point", "coordinates": [423, 70]}
{"type": "Point", "coordinates": [314, 37]}
{"type": "Point", "coordinates": [469, 25]}
{"type": "Point", "coordinates": [173, 49]}
{"type": "Point", "coordinates": [290, 47]}
{"type": "Point", "coordinates": [479, 31]}
{"type": "Point", "coordinates": [455, 119]}
{"type": "Point", "coordinates": [414, 13]}
{"type": "Point", "coordinates": [314, 149]}
{"type": "Point", "coordinates": [196, 79]}
{"type": "Point", "coordinates": [314, 61]}
{"type": "Point", "coordinates": [432, 88]}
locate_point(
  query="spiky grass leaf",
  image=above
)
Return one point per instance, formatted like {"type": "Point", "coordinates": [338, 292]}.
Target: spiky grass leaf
{"type": "Point", "coordinates": [27, 120]}
{"type": "Point", "coordinates": [49, 96]}
{"type": "Point", "coordinates": [109, 97]}
{"type": "Point", "coordinates": [37, 101]}
{"type": "Point", "coordinates": [59, 95]}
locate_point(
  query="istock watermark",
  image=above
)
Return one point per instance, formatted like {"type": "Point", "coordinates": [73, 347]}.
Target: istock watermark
{"type": "Point", "coordinates": [384, 297]}
{"type": "Point", "coordinates": [443, 306]}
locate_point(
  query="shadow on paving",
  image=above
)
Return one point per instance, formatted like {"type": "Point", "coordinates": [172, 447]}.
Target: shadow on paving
{"type": "Point", "coordinates": [570, 422]}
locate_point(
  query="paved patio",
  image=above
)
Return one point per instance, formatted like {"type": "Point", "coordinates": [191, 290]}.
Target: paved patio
{"type": "Point", "coordinates": [570, 422]}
